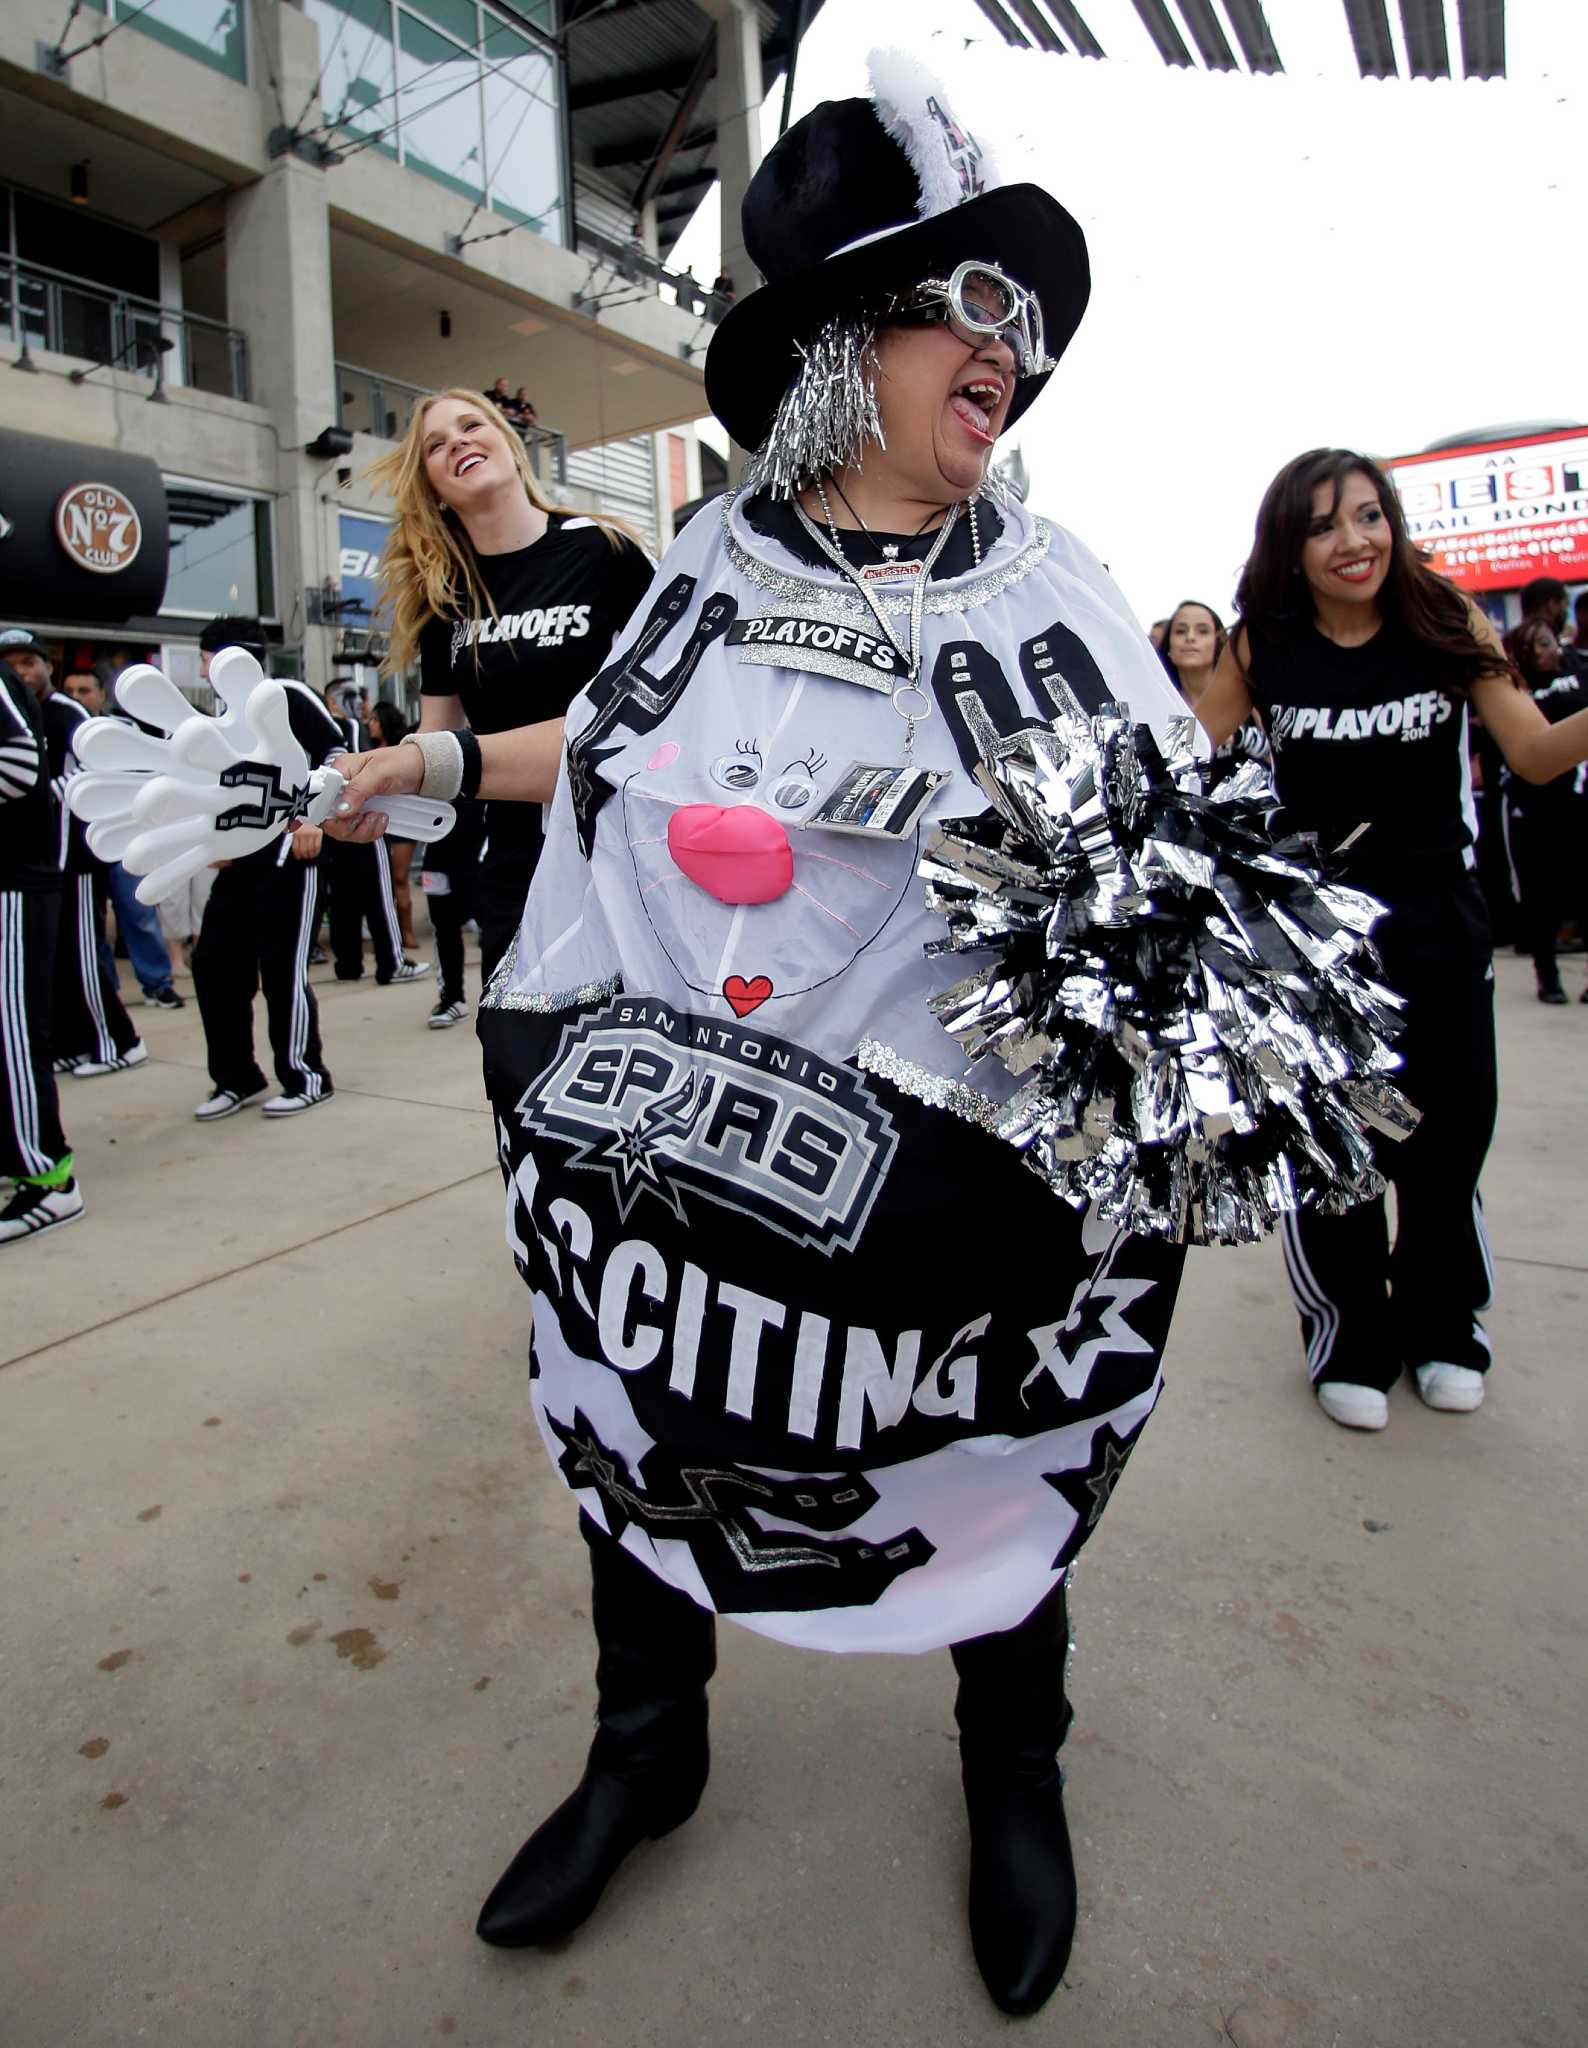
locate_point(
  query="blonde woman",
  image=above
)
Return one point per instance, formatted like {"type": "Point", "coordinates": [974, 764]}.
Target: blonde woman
{"type": "Point", "coordinates": [509, 605]}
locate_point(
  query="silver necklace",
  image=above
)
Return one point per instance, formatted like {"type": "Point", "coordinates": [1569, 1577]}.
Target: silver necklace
{"type": "Point", "coordinates": [911, 699]}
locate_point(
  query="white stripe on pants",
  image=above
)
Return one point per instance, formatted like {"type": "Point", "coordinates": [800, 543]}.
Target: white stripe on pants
{"type": "Point", "coordinates": [1315, 1306]}
{"type": "Point", "coordinates": [16, 1041]}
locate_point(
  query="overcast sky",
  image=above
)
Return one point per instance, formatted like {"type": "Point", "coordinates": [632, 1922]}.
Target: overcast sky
{"type": "Point", "coordinates": [1276, 262]}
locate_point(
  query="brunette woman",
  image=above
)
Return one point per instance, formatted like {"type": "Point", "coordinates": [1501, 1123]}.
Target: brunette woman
{"type": "Point", "coordinates": [1545, 823]}
{"type": "Point", "coordinates": [1193, 642]}
{"type": "Point", "coordinates": [509, 605]}
{"type": "Point", "coordinates": [1363, 665]}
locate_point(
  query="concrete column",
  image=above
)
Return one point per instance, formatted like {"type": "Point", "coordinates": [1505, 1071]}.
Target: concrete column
{"type": "Point", "coordinates": [645, 227]}
{"type": "Point", "coordinates": [739, 96]}
{"type": "Point", "coordinates": [278, 291]}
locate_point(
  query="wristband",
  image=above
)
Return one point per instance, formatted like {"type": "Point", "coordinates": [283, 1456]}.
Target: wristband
{"type": "Point", "coordinates": [442, 755]}
{"type": "Point", "coordinates": [473, 763]}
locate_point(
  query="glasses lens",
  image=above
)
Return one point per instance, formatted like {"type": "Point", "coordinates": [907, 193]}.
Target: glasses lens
{"type": "Point", "coordinates": [986, 299]}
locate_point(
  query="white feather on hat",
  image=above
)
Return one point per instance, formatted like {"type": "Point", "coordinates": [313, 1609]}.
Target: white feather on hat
{"type": "Point", "coordinates": [951, 165]}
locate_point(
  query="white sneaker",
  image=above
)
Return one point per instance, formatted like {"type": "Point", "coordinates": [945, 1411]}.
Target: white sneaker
{"type": "Point", "coordinates": [1455, 1388]}
{"type": "Point", "coordinates": [225, 1102]}
{"type": "Point", "coordinates": [68, 1064]}
{"type": "Point", "coordinates": [407, 970]}
{"type": "Point", "coordinates": [31, 1209]}
{"type": "Point", "coordinates": [1353, 1407]}
{"type": "Point", "coordinates": [294, 1105]}
{"type": "Point", "coordinates": [134, 1056]}
{"type": "Point", "coordinates": [445, 1015]}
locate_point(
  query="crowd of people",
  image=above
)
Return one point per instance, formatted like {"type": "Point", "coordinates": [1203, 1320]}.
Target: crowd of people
{"type": "Point", "coordinates": [706, 948]}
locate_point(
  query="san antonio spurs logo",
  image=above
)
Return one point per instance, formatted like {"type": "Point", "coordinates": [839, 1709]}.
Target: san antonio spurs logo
{"type": "Point", "coordinates": [272, 800]}
{"type": "Point", "coordinates": [672, 1105]}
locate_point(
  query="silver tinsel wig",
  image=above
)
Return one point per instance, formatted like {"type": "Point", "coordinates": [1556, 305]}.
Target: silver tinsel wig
{"type": "Point", "coordinates": [1189, 1005]}
{"type": "Point", "coordinates": [828, 413]}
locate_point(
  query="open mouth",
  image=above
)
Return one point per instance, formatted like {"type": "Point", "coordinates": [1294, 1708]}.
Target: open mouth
{"type": "Point", "coordinates": [973, 404]}
{"type": "Point", "coordinates": [466, 463]}
{"type": "Point", "coordinates": [1356, 572]}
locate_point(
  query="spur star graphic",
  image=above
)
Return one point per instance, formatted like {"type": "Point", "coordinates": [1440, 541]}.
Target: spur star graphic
{"type": "Point", "coordinates": [1095, 1328]}
{"type": "Point", "coordinates": [205, 789]}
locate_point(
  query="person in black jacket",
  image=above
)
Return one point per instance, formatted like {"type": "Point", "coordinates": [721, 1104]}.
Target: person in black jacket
{"type": "Point", "coordinates": [361, 887]}
{"type": "Point", "coordinates": [256, 934]}
{"type": "Point", "coordinates": [1544, 823]}
{"type": "Point", "coordinates": [39, 1189]}
{"type": "Point", "coordinates": [91, 1032]}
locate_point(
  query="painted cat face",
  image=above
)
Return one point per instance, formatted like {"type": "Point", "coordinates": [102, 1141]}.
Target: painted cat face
{"type": "Point", "coordinates": [745, 901]}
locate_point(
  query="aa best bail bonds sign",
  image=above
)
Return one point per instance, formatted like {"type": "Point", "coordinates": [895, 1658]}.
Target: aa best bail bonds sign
{"type": "Point", "coordinates": [1495, 514]}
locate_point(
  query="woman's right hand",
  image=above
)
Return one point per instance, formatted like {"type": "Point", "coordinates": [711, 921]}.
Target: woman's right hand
{"type": "Point", "coordinates": [388, 771]}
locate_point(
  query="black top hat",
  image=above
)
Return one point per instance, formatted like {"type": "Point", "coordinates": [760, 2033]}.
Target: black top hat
{"type": "Point", "coordinates": [866, 197]}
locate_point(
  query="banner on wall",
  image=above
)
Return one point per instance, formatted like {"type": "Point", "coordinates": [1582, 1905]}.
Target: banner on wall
{"type": "Point", "coordinates": [359, 542]}
{"type": "Point", "coordinates": [1495, 514]}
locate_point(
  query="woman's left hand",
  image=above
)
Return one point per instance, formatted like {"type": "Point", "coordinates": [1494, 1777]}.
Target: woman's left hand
{"type": "Point", "coordinates": [387, 771]}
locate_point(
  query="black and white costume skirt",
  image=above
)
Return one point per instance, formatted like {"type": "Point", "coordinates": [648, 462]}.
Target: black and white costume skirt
{"type": "Point", "coordinates": [828, 1360]}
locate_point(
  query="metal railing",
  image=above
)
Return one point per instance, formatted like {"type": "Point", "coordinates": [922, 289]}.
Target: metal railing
{"type": "Point", "coordinates": [370, 402]}
{"type": "Point", "coordinates": [633, 264]}
{"type": "Point", "coordinates": [72, 316]}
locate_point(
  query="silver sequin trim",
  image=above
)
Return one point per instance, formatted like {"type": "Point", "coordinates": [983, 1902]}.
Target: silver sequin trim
{"type": "Point", "coordinates": [962, 594]}
{"type": "Point", "coordinates": [542, 1002]}
{"type": "Point", "coordinates": [935, 1090]}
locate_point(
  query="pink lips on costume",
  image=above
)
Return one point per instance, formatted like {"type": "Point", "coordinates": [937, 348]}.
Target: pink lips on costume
{"type": "Point", "coordinates": [735, 853]}
{"type": "Point", "coordinates": [664, 757]}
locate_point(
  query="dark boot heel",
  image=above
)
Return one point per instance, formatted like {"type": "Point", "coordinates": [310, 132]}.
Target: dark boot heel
{"type": "Point", "coordinates": [648, 1764]}
{"type": "Point", "coordinates": [1012, 1717]}
{"type": "Point", "coordinates": [1023, 1905]}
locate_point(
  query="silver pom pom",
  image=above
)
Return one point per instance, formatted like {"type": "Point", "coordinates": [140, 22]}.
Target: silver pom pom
{"type": "Point", "coordinates": [828, 413]}
{"type": "Point", "coordinates": [1189, 1006]}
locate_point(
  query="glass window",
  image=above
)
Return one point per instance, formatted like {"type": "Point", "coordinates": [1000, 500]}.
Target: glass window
{"type": "Point", "coordinates": [210, 30]}
{"type": "Point", "coordinates": [440, 87]}
{"type": "Point", "coordinates": [458, 17]}
{"type": "Point", "coordinates": [523, 132]}
{"type": "Point", "coordinates": [358, 69]}
{"type": "Point", "coordinates": [220, 554]}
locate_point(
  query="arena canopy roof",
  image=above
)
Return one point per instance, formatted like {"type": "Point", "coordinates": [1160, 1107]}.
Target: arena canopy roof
{"type": "Point", "coordinates": [1191, 33]}
{"type": "Point", "coordinates": [642, 94]}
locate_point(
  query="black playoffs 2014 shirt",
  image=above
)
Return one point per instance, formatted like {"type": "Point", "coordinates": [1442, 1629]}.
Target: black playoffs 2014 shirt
{"type": "Point", "coordinates": [1367, 735]}
{"type": "Point", "coordinates": [558, 605]}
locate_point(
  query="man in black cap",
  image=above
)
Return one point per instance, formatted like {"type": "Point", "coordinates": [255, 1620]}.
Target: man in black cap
{"type": "Point", "coordinates": [256, 934]}
{"type": "Point", "coordinates": [91, 1032]}
{"type": "Point", "coordinates": [37, 1188]}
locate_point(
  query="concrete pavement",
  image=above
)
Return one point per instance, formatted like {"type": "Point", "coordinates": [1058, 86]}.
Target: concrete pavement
{"type": "Point", "coordinates": [295, 1649]}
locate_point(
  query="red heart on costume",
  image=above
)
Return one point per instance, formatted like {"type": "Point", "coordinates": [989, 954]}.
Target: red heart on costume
{"type": "Point", "coordinates": [746, 996]}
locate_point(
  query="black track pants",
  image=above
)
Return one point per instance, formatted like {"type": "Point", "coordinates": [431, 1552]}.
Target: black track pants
{"type": "Point", "coordinates": [90, 1020]}
{"type": "Point", "coordinates": [1366, 1310]}
{"type": "Point", "coordinates": [503, 882]}
{"type": "Point", "coordinates": [448, 914]}
{"type": "Point", "coordinates": [256, 933]}
{"type": "Point", "coordinates": [360, 885]}
{"type": "Point", "coordinates": [1549, 848]}
{"type": "Point", "coordinates": [31, 1139]}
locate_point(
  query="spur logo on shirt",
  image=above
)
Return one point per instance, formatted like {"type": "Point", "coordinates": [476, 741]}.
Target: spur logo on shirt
{"type": "Point", "coordinates": [1398, 718]}
{"type": "Point", "coordinates": [785, 640]}
{"type": "Point", "coordinates": [666, 1103]}
{"type": "Point", "coordinates": [547, 626]}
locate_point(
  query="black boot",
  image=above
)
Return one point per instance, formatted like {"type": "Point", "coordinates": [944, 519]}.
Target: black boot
{"type": "Point", "coordinates": [648, 1763]}
{"type": "Point", "coordinates": [1012, 1716]}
